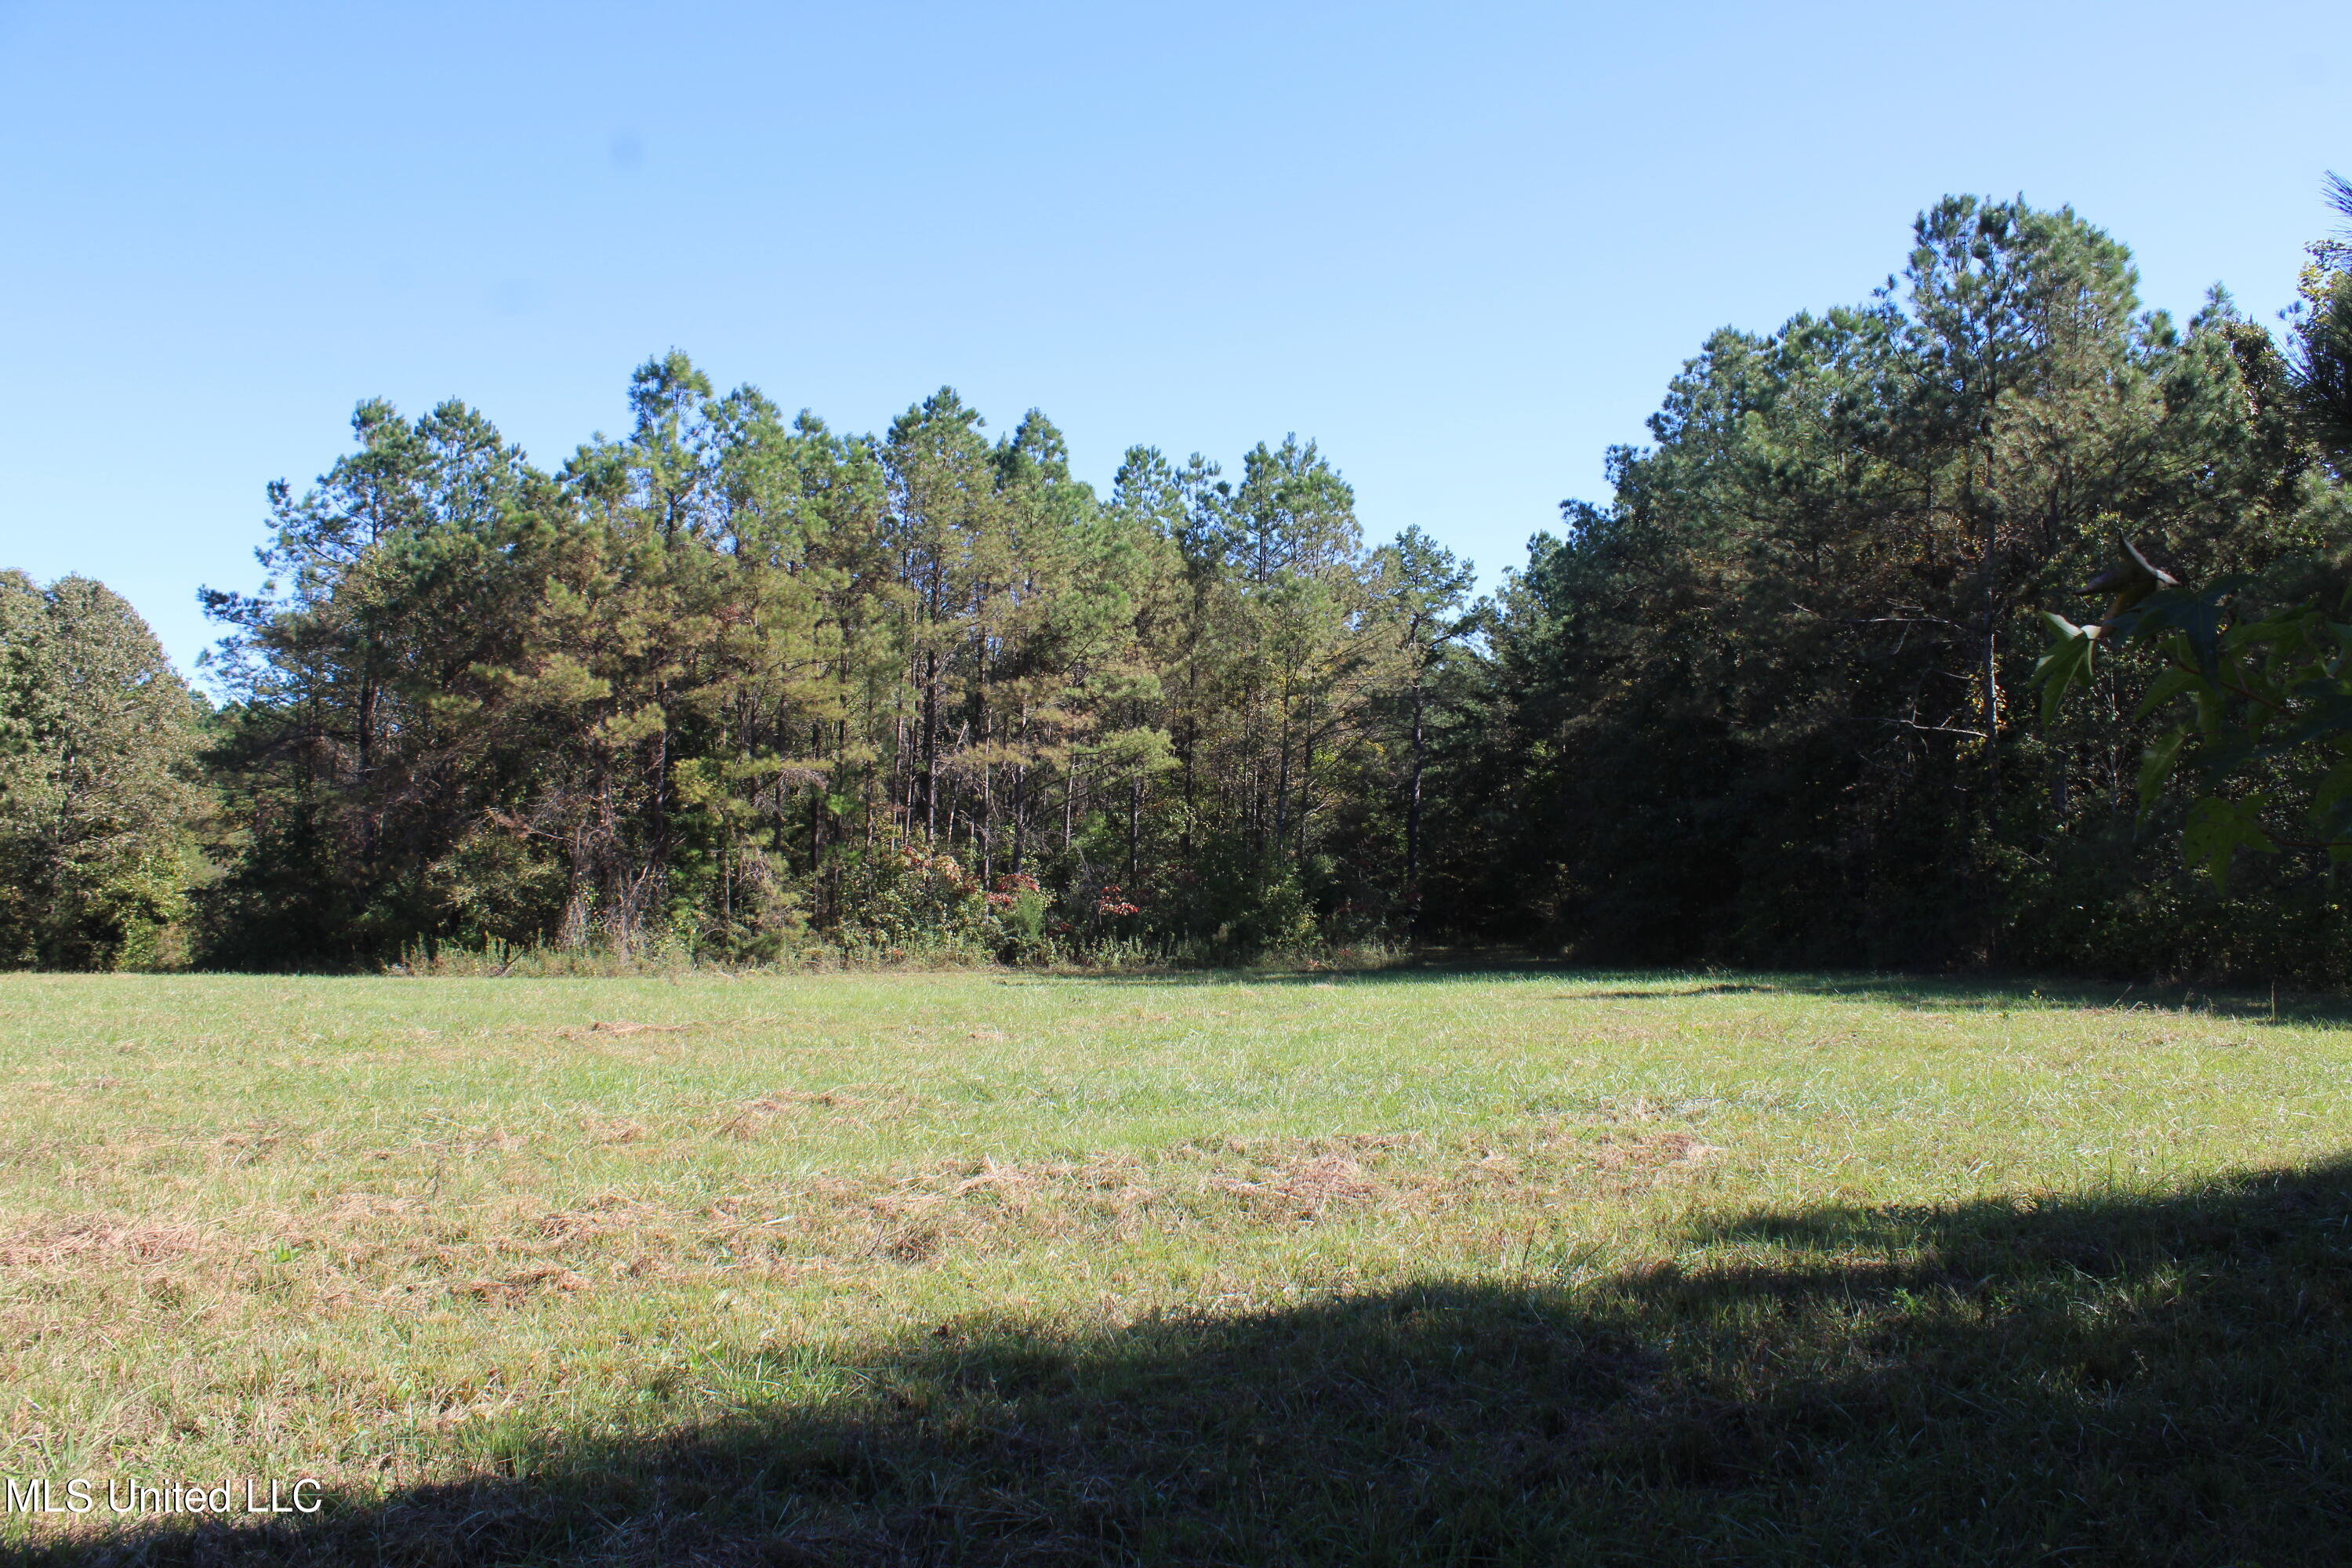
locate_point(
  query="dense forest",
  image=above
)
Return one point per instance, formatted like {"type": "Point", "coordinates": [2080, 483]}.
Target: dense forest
{"type": "Point", "coordinates": [742, 687]}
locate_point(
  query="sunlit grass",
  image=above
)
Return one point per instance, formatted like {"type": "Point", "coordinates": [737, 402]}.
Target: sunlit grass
{"type": "Point", "coordinates": [1401, 1267]}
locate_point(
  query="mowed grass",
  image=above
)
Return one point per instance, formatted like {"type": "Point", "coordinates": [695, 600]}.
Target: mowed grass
{"type": "Point", "coordinates": [1413, 1267]}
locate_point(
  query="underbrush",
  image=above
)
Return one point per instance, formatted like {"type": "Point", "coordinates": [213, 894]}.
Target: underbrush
{"type": "Point", "coordinates": [854, 953]}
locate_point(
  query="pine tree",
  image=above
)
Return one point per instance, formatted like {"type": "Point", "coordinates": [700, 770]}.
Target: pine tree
{"type": "Point", "coordinates": [97, 810]}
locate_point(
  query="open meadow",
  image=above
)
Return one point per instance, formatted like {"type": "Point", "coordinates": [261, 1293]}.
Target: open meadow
{"type": "Point", "coordinates": [1513, 1267]}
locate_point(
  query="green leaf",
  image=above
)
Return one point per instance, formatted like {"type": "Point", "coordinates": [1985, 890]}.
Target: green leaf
{"type": "Point", "coordinates": [2210, 711]}
{"type": "Point", "coordinates": [2068, 661]}
{"type": "Point", "coordinates": [2156, 766]}
{"type": "Point", "coordinates": [2331, 808]}
{"type": "Point", "coordinates": [2217, 830]}
{"type": "Point", "coordinates": [2195, 616]}
{"type": "Point", "coordinates": [2169, 685]}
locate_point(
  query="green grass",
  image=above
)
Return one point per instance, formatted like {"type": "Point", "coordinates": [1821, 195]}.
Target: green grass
{"type": "Point", "coordinates": [1410, 1267]}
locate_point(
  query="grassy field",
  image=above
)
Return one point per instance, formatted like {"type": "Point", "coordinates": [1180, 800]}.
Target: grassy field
{"type": "Point", "coordinates": [1410, 1266]}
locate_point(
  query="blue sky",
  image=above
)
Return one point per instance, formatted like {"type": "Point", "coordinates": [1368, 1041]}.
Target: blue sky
{"type": "Point", "coordinates": [1462, 247]}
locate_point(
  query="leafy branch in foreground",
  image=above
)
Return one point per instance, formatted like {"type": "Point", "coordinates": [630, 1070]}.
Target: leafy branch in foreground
{"type": "Point", "coordinates": [2268, 709]}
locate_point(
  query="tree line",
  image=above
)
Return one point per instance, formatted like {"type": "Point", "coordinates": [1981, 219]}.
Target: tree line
{"type": "Point", "coordinates": [740, 685]}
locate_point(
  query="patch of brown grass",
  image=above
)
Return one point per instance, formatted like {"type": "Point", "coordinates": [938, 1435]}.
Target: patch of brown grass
{"type": "Point", "coordinates": [524, 1283]}
{"type": "Point", "coordinates": [1657, 1152]}
{"type": "Point", "coordinates": [99, 1242]}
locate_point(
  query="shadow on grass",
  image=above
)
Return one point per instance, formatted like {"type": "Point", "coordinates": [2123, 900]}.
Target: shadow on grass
{"type": "Point", "coordinates": [1993, 993]}
{"type": "Point", "coordinates": [2150, 1379]}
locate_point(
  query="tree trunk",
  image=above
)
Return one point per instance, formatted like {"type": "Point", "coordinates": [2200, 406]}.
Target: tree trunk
{"type": "Point", "coordinates": [1412, 820]}
{"type": "Point", "coordinates": [930, 781]}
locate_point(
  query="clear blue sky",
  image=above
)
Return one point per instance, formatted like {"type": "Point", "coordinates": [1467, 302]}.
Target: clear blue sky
{"type": "Point", "coordinates": [1462, 246]}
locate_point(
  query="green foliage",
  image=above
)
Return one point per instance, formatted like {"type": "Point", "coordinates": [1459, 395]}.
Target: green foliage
{"type": "Point", "coordinates": [736, 683]}
{"type": "Point", "coordinates": [2320, 369]}
{"type": "Point", "coordinates": [735, 687]}
{"type": "Point", "coordinates": [1762, 705]}
{"type": "Point", "coordinates": [97, 811]}
{"type": "Point", "coordinates": [2262, 690]}
{"type": "Point", "coordinates": [2267, 704]}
